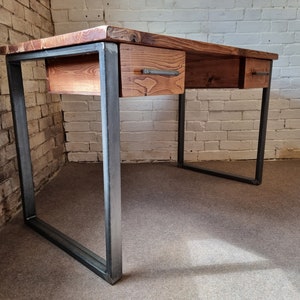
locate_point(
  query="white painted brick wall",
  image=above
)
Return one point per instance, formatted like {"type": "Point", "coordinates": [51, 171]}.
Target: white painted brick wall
{"type": "Point", "coordinates": [221, 124]}
{"type": "Point", "coordinates": [20, 21]}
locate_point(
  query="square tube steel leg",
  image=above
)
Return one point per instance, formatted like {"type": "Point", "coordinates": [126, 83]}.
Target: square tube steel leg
{"type": "Point", "coordinates": [22, 140]}
{"type": "Point", "coordinates": [111, 268]}
{"type": "Point", "coordinates": [111, 157]}
{"type": "Point", "coordinates": [260, 149]}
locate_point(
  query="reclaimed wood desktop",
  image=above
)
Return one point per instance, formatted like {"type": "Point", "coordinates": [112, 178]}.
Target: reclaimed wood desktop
{"type": "Point", "coordinates": [116, 62]}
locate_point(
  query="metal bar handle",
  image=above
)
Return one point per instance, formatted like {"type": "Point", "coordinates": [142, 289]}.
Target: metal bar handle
{"type": "Point", "coordinates": [258, 73]}
{"type": "Point", "coordinates": [160, 72]}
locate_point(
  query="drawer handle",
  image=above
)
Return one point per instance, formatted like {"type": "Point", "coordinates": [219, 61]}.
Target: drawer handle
{"type": "Point", "coordinates": [160, 72]}
{"type": "Point", "coordinates": [257, 73]}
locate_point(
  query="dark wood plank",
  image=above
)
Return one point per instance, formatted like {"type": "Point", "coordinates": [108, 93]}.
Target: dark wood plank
{"type": "Point", "coordinates": [212, 71]}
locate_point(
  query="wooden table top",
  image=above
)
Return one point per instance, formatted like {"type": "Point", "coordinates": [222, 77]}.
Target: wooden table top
{"type": "Point", "coordinates": [129, 36]}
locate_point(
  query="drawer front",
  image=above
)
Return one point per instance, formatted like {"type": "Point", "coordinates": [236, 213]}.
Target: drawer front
{"type": "Point", "coordinates": [257, 73]}
{"type": "Point", "coordinates": [149, 71]}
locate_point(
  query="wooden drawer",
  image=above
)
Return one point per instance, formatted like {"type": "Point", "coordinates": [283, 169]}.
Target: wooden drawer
{"type": "Point", "coordinates": [255, 73]}
{"type": "Point", "coordinates": [151, 71]}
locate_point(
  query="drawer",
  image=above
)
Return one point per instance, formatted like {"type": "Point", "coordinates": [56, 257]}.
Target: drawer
{"type": "Point", "coordinates": [149, 71]}
{"type": "Point", "coordinates": [256, 73]}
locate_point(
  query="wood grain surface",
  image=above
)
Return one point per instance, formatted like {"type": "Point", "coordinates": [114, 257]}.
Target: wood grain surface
{"type": "Point", "coordinates": [134, 59]}
{"type": "Point", "coordinates": [123, 35]}
{"type": "Point", "coordinates": [74, 75]}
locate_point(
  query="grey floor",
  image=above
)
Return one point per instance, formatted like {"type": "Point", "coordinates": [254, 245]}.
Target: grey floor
{"type": "Point", "coordinates": [185, 236]}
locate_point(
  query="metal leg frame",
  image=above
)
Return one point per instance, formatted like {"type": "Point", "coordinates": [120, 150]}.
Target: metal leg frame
{"type": "Point", "coordinates": [111, 268]}
{"type": "Point", "coordinates": [260, 149]}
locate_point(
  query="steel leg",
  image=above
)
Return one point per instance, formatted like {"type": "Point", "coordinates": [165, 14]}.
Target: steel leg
{"type": "Point", "coordinates": [111, 268]}
{"type": "Point", "coordinates": [262, 134]}
{"type": "Point", "coordinates": [21, 135]}
{"type": "Point", "coordinates": [260, 149]}
{"type": "Point", "coordinates": [111, 158]}
{"type": "Point", "coordinates": [181, 123]}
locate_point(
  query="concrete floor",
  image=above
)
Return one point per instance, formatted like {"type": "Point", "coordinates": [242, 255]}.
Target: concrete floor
{"type": "Point", "coordinates": [185, 236]}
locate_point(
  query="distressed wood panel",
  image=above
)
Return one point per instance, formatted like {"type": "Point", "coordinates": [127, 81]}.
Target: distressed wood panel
{"type": "Point", "coordinates": [257, 73]}
{"type": "Point", "coordinates": [133, 59]}
{"type": "Point", "coordinates": [123, 35]}
{"type": "Point", "coordinates": [211, 72]}
{"type": "Point", "coordinates": [74, 75]}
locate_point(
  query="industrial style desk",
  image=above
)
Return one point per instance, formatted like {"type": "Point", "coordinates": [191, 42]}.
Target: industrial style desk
{"type": "Point", "coordinates": [116, 62]}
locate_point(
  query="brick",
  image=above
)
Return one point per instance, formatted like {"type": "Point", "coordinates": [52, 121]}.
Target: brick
{"type": "Point", "coordinates": [65, 27]}
{"type": "Point", "coordinates": [213, 155]}
{"type": "Point", "coordinates": [211, 135]}
{"type": "Point", "coordinates": [81, 136]}
{"type": "Point", "coordinates": [14, 7]}
{"type": "Point", "coordinates": [33, 127]}
{"type": "Point", "coordinates": [224, 116]}
{"type": "Point", "coordinates": [213, 126]}
{"type": "Point", "coordinates": [45, 123]}
{"type": "Point", "coordinates": [237, 125]}
{"type": "Point", "coordinates": [60, 15]}
{"type": "Point", "coordinates": [7, 120]}
{"type": "Point", "coordinates": [77, 126]}
{"type": "Point", "coordinates": [242, 155]}
{"type": "Point", "coordinates": [290, 114]}
{"type": "Point", "coordinates": [294, 103]}
{"type": "Point", "coordinates": [3, 138]}
{"type": "Point", "coordinates": [279, 26]}
{"type": "Point", "coordinates": [253, 26]}
{"type": "Point", "coordinates": [157, 27]}
{"type": "Point", "coordinates": [76, 106]}
{"type": "Point", "coordinates": [226, 14]}
{"type": "Point", "coordinates": [86, 15]}
{"type": "Point", "coordinates": [91, 4]}
{"type": "Point", "coordinates": [242, 39]}
{"type": "Point", "coordinates": [133, 126]}
{"type": "Point", "coordinates": [252, 14]}
{"type": "Point", "coordinates": [279, 13]}
{"type": "Point", "coordinates": [242, 105]}
{"type": "Point", "coordinates": [136, 104]}
{"type": "Point", "coordinates": [194, 126]}
{"type": "Point", "coordinates": [236, 145]}
{"type": "Point", "coordinates": [196, 115]}
{"type": "Point", "coordinates": [34, 113]}
{"type": "Point", "coordinates": [94, 105]}
{"type": "Point", "coordinates": [243, 135]}
{"type": "Point", "coordinates": [68, 4]}
{"type": "Point", "coordinates": [211, 145]}
{"type": "Point", "coordinates": [221, 27]}
{"type": "Point", "coordinates": [277, 38]}
{"type": "Point", "coordinates": [37, 139]}
{"type": "Point", "coordinates": [294, 25]}
{"type": "Point", "coordinates": [40, 9]}
{"type": "Point", "coordinates": [33, 17]}
{"type": "Point", "coordinates": [25, 2]}
{"type": "Point", "coordinates": [83, 156]}
{"type": "Point", "coordinates": [216, 105]}
{"type": "Point", "coordinates": [81, 116]}
{"type": "Point", "coordinates": [292, 123]}
{"type": "Point", "coordinates": [78, 147]}
{"type": "Point", "coordinates": [3, 34]}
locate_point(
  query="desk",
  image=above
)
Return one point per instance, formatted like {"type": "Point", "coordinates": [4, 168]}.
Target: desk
{"type": "Point", "coordinates": [116, 62]}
